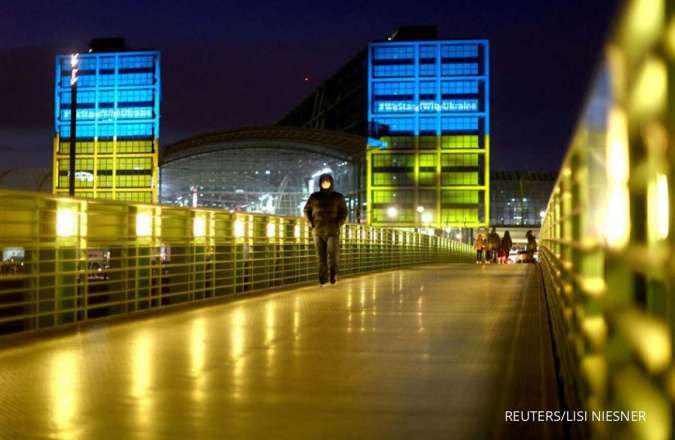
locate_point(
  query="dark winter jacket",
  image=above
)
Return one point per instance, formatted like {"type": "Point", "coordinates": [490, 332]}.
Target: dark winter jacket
{"type": "Point", "coordinates": [326, 209]}
{"type": "Point", "coordinates": [531, 242]}
{"type": "Point", "coordinates": [494, 243]}
{"type": "Point", "coordinates": [507, 243]}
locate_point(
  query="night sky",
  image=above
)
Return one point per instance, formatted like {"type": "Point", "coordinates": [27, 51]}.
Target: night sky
{"type": "Point", "coordinates": [233, 64]}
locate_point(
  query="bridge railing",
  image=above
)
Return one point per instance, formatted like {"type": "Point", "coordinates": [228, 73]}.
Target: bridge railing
{"type": "Point", "coordinates": [607, 242]}
{"type": "Point", "coordinates": [70, 260]}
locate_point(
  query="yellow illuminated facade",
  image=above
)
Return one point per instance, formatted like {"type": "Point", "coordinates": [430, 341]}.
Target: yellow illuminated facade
{"type": "Point", "coordinates": [428, 158]}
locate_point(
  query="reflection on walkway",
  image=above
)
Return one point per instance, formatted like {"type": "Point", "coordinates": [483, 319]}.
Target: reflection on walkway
{"type": "Point", "coordinates": [409, 353]}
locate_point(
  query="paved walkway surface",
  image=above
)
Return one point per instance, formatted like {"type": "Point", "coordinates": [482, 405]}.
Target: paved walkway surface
{"type": "Point", "coordinates": [430, 352]}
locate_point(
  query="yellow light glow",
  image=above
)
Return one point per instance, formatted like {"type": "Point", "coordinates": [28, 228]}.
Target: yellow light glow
{"type": "Point", "coordinates": [270, 323]}
{"type": "Point", "coordinates": [238, 333]}
{"type": "Point", "coordinates": [238, 228]}
{"type": "Point", "coordinates": [663, 208]}
{"type": "Point", "coordinates": [141, 365]}
{"type": "Point", "coordinates": [197, 348]}
{"type": "Point", "coordinates": [595, 329]}
{"type": "Point", "coordinates": [297, 231]}
{"type": "Point", "coordinates": [644, 23]}
{"type": "Point", "coordinates": [617, 146]}
{"type": "Point", "coordinates": [649, 96]}
{"type": "Point", "coordinates": [64, 389]}
{"type": "Point", "coordinates": [143, 224]}
{"type": "Point", "coordinates": [140, 373]}
{"type": "Point", "coordinates": [617, 215]}
{"type": "Point", "coordinates": [427, 217]}
{"type": "Point", "coordinates": [271, 230]}
{"type": "Point", "coordinates": [670, 38]}
{"type": "Point", "coordinates": [650, 338]}
{"type": "Point", "coordinates": [658, 209]}
{"type": "Point", "coordinates": [66, 225]}
{"type": "Point", "coordinates": [199, 226]}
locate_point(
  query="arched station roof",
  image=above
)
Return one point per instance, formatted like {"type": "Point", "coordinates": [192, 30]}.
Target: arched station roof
{"type": "Point", "coordinates": [332, 143]}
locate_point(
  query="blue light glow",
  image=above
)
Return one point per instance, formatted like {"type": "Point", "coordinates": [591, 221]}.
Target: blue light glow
{"type": "Point", "coordinates": [118, 95]}
{"type": "Point", "coordinates": [452, 105]}
{"type": "Point", "coordinates": [412, 83]}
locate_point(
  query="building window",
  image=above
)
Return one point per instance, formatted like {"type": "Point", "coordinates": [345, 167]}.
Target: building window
{"type": "Point", "coordinates": [428, 89]}
{"type": "Point", "coordinates": [450, 198]}
{"type": "Point", "coordinates": [394, 88]}
{"type": "Point", "coordinates": [459, 141]}
{"type": "Point", "coordinates": [457, 69]}
{"type": "Point", "coordinates": [395, 125]}
{"type": "Point", "coordinates": [459, 51]}
{"type": "Point", "coordinates": [428, 142]}
{"type": "Point", "coordinates": [450, 161]}
{"type": "Point", "coordinates": [459, 178]}
{"type": "Point", "coordinates": [393, 52]}
{"type": "Point", "coordinates": [459, 87]}
{"type": "Point", "coordinates": [399, 142]}
{"type": "Point", "coordinates": [395, 70]}
{"type": "Point", "coordinates": [399, 197]}
{"type": "Point", "coordinates": [459, 124]}
{"type": "Point", "coordinates": [428, 125]}
{"type": "Point", "coordinates": [427, 51]}
{"type": "Point", "coordinates": [136, 61]}
{"type": "Point", "coordinates": [393, 160]}
{"type": "Point", "coordinates": [427, 69]}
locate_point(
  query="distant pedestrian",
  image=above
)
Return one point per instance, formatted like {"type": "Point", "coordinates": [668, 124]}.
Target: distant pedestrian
{"type": "Point", "coordinates": [326, 212]}
{"type": "Point", "coordinates": [493, 245]}
{"type": "Point", "coordinates": [479, 246]}
{"type": "Point", "coordinates": [531, 246]}
{"type": "Point", "coordinates": [505, 249]}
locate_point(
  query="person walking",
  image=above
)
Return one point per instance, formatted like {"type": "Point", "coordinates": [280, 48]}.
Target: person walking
{"type": "Point", "coordinates": [506, 246]}
{"type": "Point", "coordinates": [326, 212]}
{"type": "Point", "coordinates": [493, 245]}
{"type": "Point", "coordinates": [531, 246]}
{"type": "Point", "coordinates": [479, 246]}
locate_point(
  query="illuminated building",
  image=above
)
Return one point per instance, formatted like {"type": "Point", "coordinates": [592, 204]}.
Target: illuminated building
{"type": "Point", "coordinates": [519, 198]}
{"type": "Point", "coordinates": [423, 104]}
{"type": "Point", "coordinates": [118, 110]}
{"type": "Point", "coordinates": [266, 169]}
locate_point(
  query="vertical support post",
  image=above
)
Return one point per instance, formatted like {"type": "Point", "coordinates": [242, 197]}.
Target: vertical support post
{"type": "Point", "coordinates": [73, 130]}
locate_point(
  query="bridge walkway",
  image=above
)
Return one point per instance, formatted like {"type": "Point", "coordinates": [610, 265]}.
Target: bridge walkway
{"type": "Point", "coordinates": [438, 351]}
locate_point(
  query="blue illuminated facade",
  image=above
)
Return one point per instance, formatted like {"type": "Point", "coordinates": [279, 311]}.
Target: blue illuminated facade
{"type": "Point", "coordinates": [118, 115]}
{"type": "Point", "coordinates": [429, 110]}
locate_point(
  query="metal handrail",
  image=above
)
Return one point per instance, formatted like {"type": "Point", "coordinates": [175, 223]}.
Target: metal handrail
{"type": "Point", "coordinates": [68, 260]}
{"type": "Point", "coordinates": [606, 241]}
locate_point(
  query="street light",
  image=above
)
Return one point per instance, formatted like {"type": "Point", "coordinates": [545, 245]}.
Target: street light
{"type": "Point", "coordinates": [74, 63]}
{"type": "Point", "coordinates": [420, 209]}
{"type": "Point", "coordinates": [427, 218]}
{"type": "Point", "coordinates": [392, 212]}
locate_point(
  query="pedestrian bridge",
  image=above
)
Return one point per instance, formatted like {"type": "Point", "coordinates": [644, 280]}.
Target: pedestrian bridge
{"type": "Point", "coordinates": [431, 351]}
{"type": "Point", "coordinates": [121, 319]}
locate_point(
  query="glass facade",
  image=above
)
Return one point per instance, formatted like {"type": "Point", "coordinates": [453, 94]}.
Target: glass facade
{"type": "Point", "coordinates": [266, 179]}
{"type": "Point", "coordinates": [118, 109]}
{"type": "Point", "coordinates": [519, 198]}
{"type": "Point", "coordinates": [428, 110]}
